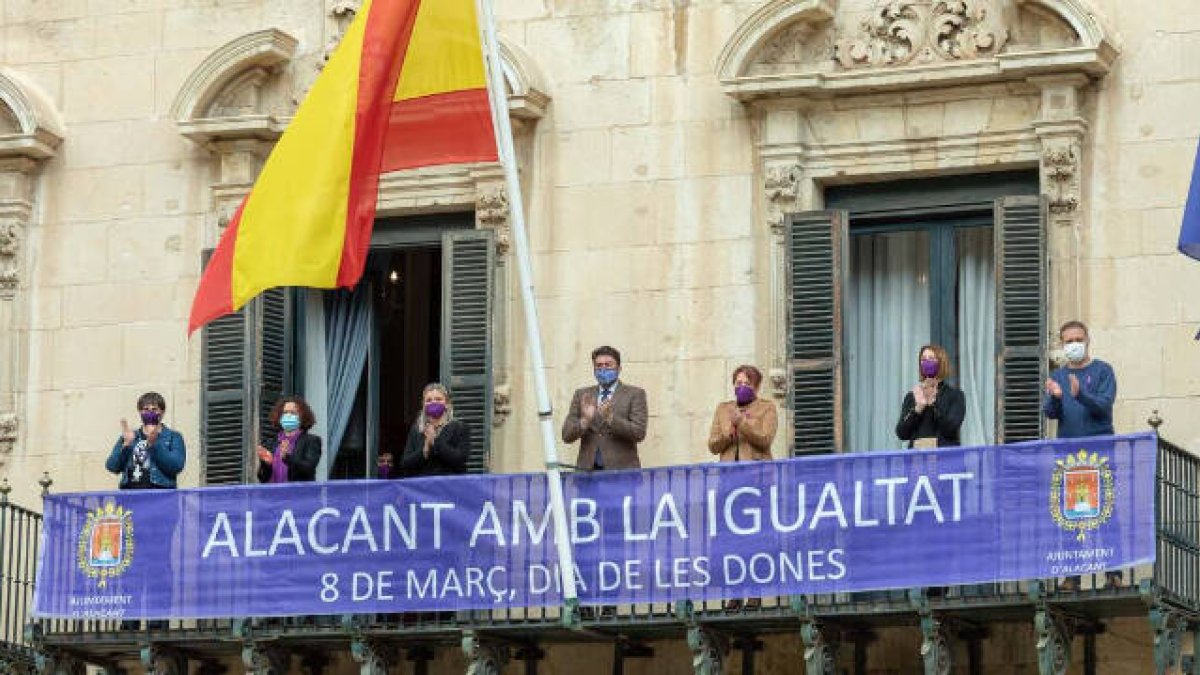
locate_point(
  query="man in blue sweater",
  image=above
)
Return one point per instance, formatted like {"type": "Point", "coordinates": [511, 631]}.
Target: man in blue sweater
{"type": "Point", "coordinates": [1080, 396]}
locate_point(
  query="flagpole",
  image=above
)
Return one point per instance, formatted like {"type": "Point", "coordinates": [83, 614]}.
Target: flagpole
{"type": "Point", "coordinates": [504, 143]}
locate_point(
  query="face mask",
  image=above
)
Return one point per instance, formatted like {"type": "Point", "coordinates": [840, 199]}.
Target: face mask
{"type": "Point", "coordinates": [385, 470]}
{"type": "Point", "coordinates": [744, 393]}
{"type": "Point", "coordinates": [289, 421]}
{"type": "Point", "coordinates": [435, 409]}
{"type": "Point", "coordinates": [1075, 351]}
{"type": "Point", "coordinates": [929, 367]}
{"type": "Point", "coordinates": [606, 376]}
{"type": "Point", "coordinates": [151, 417]}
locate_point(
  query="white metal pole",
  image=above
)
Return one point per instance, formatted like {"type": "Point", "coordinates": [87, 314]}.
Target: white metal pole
{"type": "Point", "coordinates": [504, 142]}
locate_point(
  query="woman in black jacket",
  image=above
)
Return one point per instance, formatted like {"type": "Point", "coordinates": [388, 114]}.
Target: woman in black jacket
{"type": "Point", "coordinates": [437, 444]}
{"type": "Point", "coordinates": [294, 455]}
{"type": "Point", "coordinates": [933, 411]}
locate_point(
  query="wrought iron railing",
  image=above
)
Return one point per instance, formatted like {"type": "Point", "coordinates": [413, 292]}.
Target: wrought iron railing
{"type": "Point", "coordinates": [19, 532]}
{"type": "Point", "coordinates": [1177, 567]}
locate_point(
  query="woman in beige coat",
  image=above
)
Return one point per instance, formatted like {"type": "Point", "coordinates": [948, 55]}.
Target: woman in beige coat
{"type": "Point", "coordinates": [744, 428]}
{"type": "Point", "coordinates": [742, 431]}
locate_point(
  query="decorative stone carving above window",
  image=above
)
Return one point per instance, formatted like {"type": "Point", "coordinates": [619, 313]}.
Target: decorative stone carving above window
{"type": "Point", "coordinates": [29, 126]}
{"type": "Point", "coordinates": [897, 32]}
{"type": "Point", "coordinates": [225, 97]}
{"type": "Point", "coordinates": [809, 47]}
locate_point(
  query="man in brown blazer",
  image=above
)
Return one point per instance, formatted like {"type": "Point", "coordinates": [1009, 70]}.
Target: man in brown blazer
{"type": "Point", "coordinates": [609, 418]}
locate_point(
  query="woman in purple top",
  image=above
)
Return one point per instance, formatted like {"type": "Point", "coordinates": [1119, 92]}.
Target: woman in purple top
{"type": "Point", "coordinates": [295, 452]}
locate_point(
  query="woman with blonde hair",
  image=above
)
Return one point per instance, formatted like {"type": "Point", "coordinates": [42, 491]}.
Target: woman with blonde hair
{"type": "Point", "coordinates": [933, 412]}
{"type": "Point", "coordinates": [437, 444]}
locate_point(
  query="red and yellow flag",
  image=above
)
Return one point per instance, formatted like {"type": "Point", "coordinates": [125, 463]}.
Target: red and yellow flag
{"type": "Point", "coordinates": [406, 88]}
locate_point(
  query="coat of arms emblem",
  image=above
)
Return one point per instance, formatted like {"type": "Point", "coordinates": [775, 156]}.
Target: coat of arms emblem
{"type": "Point", "coordinates": [106, 543]}
{"type": "Point", "coordinates": [1081, 493]}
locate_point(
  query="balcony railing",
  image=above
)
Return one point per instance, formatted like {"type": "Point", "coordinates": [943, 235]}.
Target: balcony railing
{"type": "Point", "coordinates": [1167, 594]}
{"type": "Point", "coordinates": [19, 532]}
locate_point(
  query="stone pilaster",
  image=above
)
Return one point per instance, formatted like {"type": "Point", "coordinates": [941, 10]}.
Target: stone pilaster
{"type": "Point", "coordinates": [492, 211]}
{"type": "Point", "coordinates": [1062, 132]}
{"type": "Point", "coordinates": [17, 177]}
{"type": "Point", "coordinates": [781, 189]}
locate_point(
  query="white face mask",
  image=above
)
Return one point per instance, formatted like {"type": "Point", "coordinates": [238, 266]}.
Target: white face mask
{"type": "Point", "coordinates": [1075, 351]}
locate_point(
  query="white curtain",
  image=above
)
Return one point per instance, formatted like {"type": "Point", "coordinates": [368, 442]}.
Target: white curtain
{"type": "Point", "coordinates": [977, 334]}
{"type": "Point", "coordinates": [887, 321]}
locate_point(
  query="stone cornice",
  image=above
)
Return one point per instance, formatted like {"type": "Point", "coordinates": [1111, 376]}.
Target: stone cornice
{"type": "Point", "coordinates": [1003, 68]}
{"type": "Point", "coordinates": [258, 127]}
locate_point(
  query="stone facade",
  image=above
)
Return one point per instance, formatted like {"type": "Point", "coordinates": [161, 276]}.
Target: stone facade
{"type": "Point", "coordinates": [661, 144]}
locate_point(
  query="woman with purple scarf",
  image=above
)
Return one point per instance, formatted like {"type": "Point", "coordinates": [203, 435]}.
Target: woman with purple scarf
{"type": "Point", "coordinates": [295, 453]}
{"type": "Point", "coordinates": [437, 444]}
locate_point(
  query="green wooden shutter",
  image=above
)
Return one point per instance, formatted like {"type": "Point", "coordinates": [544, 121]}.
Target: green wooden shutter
{"type": "Point", "coordinates": [1020, 317]}
{"type": "Point", "coordinates": [815, 280]}
{"type": "Point", "coordinates": [467, 263]}
{"type": "Point", "coordinates": [246, 366]}
{"type": "Point", "coordinates": [223, 400]}
{"type": "Point", "coordinates": [274, 368]}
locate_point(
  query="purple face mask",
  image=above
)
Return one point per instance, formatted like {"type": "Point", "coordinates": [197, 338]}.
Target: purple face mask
{"type": "Point", "coordinates": [151, 417]}
{"type": "Point", "coordinates": [435, 409]}
{"type": "Point", "coordinates": [744, 394]}
{"type": "Point", "coordinates": [929, 367]}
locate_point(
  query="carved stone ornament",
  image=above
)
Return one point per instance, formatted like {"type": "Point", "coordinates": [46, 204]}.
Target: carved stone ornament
{"type": "Point", "coordinates": [779, 382]}
{"type": "Point", "coordinates": [8, 434]}
{"type": "Point", "coordinates": [781, 186]}
{"type": "Point", "coordinates": [491, 210]}
{"type": "Point", "coordinates": [342, 12]}
{"type": "Point", "coordinates": [1060, 167]}
{"type": "Point", "coordinates": [491, 207]}
{"type": "Point", "coordinates": [10, 247]}
{"type": "Point", "coordinates": [501, 404]}
{"type": "Point", "coordinates": [900, 32]}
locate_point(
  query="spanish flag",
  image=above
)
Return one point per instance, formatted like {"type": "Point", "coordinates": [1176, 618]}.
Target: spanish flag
{"type": "Point", "coordinates": [405, 88]}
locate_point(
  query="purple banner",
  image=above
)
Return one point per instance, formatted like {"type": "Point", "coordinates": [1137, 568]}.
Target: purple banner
{"type": "Point", "coordinates": [832, 523]}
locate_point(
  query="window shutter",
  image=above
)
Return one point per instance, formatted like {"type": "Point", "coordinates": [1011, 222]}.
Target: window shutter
{"type": "Point", "coordinates": [223, 400]}
{"type": "Point", "coordinates": [1020, 317]}
{"type": "Point", "coordinates": [246, 366]}
{"type": "Point", "coordinates": [274, 314]}
{"type": "Point", "coordinates": [815, 283]}
{"type": "Point", "coordinates": [467, 263]}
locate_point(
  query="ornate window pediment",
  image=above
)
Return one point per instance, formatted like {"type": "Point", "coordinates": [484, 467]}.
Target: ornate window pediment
{"type": "Point", "coordinates": [29, 126]}
{"type": "Point", "coordinates": [810, 47]}
{"type": "Point", "coordinates": [225, 96]}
